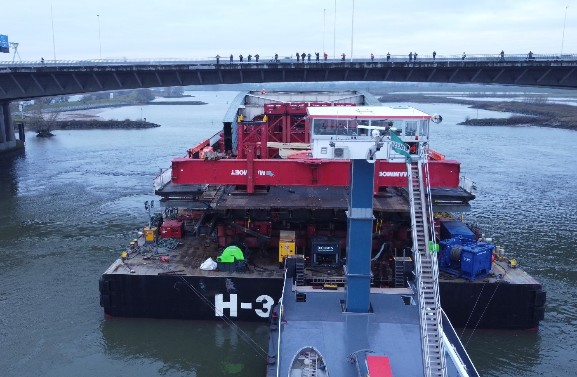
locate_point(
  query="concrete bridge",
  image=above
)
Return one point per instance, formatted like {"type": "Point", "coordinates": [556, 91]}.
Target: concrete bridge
{"type": "Point", "coordinates": [25, 80]}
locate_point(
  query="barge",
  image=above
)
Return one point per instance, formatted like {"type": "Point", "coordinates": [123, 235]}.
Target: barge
{"type": "Point", "coordinates": [255, 187]}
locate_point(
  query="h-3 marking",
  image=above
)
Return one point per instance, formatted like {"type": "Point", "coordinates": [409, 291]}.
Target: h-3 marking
{"type": "Point", "coordinates": [232, 305]}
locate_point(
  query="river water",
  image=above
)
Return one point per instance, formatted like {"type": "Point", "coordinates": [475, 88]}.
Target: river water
{"type": "Point", "coordinates": [72, 202]}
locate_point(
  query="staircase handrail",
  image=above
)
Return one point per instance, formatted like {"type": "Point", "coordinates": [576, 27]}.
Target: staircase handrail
{"type": "Point", "coordinates": [420, 251]}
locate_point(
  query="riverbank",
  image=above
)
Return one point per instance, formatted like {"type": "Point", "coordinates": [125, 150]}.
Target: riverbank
{"type": "Point", "coordinates": [96, 106]}
{"type": "Point", "coordinates": [91, 124]}
{"type": "Point", "coordinates": [101, 124]}
{"type": "Point", "coordinates": [529, 112]}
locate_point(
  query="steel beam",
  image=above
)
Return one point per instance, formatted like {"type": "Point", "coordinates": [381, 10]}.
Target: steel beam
{"type": "Point", "coordinates": [307, 172]}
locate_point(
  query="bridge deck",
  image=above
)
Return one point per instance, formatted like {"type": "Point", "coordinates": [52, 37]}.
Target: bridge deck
{"type": "Point", "coordinates": [30, 80]}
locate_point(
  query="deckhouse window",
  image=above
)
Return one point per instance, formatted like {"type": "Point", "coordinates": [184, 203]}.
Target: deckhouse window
{"type": "Point", "coordinates": [411, 128]}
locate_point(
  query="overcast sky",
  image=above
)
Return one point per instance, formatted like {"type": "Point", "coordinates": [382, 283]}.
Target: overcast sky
{"type": "Point", "coordinates": [70, 30]}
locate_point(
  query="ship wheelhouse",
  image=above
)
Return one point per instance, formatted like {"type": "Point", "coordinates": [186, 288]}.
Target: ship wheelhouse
{"type": "Point", "coordinates": [348, 132]}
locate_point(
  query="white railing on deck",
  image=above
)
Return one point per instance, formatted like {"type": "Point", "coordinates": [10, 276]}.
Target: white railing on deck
{"type": "Point", "coordinates": [467, 184]}
{"type": "Point", "coordinates": [280, 321]}
{"type": "Point", "coordinates": [162, 179]}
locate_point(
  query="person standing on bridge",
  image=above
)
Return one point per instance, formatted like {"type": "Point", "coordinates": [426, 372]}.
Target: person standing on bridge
{"type": "Point", "coordinates": [388, 56]}
{"type": "Point", "coordinates": [372, 57]}
{"type": "Point", "coordinates": [309, 57]}
{"type": "Point", "coordinates": [434, 54]}
{"type": "Point", "coordinates": [231, 58]}
{"type": "Point", "coordinates": [326, 56]}
{"type": "Point", "coordinates": [502, 56]}
{"type": "Point", "coordinates": [415, 56]}
{"type": "Point", "coordinates": [249, 57]}
{"type": "Point", "coordinates": [464, 56]}
{"type": "Point", "coordinates": [240, 58]}
{"type": "Point", "coordinates": [298, 57]}
{"type": "Point", "coordinates": [411, 56]}
{"type": "Point", "coordinates": [217, 59]}
{"type": "Point", "coordinates": [303, 55]}
{"type": "Point", "coordinates": [530, 55]}
{"type": "Point", "coordinates": [256, 57]}
{"type": "Point", "coordinates": [343, 57]}
{"type": "Point", "coordinates": [276, 58]}
{"type": "Point", "coordinates": [317, 54]}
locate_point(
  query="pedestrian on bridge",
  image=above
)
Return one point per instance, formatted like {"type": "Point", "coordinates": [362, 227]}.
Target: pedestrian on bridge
{"type": "Point", "coordinates": [343, 56]}
{"type": "Point", "coordinates": [502, 56]}
{"type": "Point", "coordinates": [309, 57]}
{"type": "Point", "coordinates": [411, 56]}
{"type": "Point", "coordinates": [530, 55]}
{"type": "Point", "coordinates": [276, 58]}
{"type": "Point", "coordinates": [415, 55]}
{"type": "Point", "coordinates": [372, 57]}
{"type": "Point", "coordinates": [240, 58]}
{"type": "Point", "coordinates": [298, 57]}
{"type": "Point", "coordinates": [217, 59]}
{"type": "Point", "coordinates": [388, 56]}
{"type": "Point", "coordinates": [464, 56]}
{"type": "Point", "coordinates": [303, 55]}
{"type": "Point", "coordinates": [256, 57]}
{"type": "Point", "coordinates": [317, 56]}
{"type": "Point", "coordinates": [231, 58]}
{"type": "Point", "coordinates": [326, 56]}
{"type": "Point", "coordinates": [434, 54]}
{"type": "Point", "coordinates": [249, 57]}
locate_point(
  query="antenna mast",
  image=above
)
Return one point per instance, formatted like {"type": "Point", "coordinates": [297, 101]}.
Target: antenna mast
{"type": "Point", "coordinates": [14, 45]}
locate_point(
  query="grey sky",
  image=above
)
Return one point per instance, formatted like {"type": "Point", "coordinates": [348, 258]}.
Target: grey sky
{"type": "Point", "coordinates": [202, 29]}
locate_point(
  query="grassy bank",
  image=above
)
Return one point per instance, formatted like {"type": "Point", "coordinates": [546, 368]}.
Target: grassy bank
{"type": "Point", "coordinates": [534, 112]}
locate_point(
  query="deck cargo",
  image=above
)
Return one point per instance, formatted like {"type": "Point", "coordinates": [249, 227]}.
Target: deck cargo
{"type": "Point", "coordinates": [256, 186]}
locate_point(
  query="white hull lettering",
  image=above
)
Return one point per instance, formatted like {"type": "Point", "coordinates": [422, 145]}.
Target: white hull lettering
{"type": "Point", "coordinates": [393, 174]}
{"type": "Point", "coordinates": [231, 306]}
{"type": "Point", "coordinates": [238, 172]}
{"type": "Point", "coordinates": [220, 305]}
{"type": "Point", "coordinates": [267, 303]}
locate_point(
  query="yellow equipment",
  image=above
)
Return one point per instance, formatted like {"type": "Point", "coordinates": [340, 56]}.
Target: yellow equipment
{"type": "Point", "coordinates": [150, 234]}
{"type": "Point", "coordinates": [286, 244]}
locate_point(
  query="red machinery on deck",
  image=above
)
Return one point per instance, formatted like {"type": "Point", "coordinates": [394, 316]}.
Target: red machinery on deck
{"type": "Point", "coordinates": [256, 162]}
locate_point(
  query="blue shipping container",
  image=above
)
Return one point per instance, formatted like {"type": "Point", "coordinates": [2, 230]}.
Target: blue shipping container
{"type": "Point", "coordinates": [476, 260]}
{"type": "Point", "coordinates": [456, 229]}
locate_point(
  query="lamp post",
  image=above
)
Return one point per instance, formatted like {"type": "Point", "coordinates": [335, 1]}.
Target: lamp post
{"type": "Point", "coordinates": [352, 29]}
{"type": "Point", "coordinates": [324, 27]}
{"type": "Point", "coordinates": [53, 38]}
{"type": "Point", "coordinates": [99, 39]}
{"type": "Point", "coordinates": [563, 38]}
{"type": "Point", "coordinates": [335, 33]}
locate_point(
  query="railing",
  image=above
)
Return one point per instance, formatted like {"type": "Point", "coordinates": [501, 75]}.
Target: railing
{"type": "Point", "coordinates": [162, 179]}
{"type": "Point", "coordinates": [280, 322]}
{"type": "Point", "coordinates": [210, 61]}
{"type": "Point", "coordinates": [456, 349]}
{"type": "Point", "coordinates": [467, 184]}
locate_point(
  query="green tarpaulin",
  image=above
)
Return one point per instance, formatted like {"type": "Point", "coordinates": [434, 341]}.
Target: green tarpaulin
{"type": "Point", "coordinates": [230, 254]}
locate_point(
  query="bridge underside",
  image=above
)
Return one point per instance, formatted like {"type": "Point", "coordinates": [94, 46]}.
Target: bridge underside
{"type": "Point", "coordinates": [39, 81]}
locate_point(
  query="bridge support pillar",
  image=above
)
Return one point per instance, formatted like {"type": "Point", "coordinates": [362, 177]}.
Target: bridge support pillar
{"type": "Point", "coordinates": [7, 136]}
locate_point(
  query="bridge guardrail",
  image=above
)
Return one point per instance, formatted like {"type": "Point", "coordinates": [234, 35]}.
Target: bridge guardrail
{"type": "Point", "coordinates": [210, 61]}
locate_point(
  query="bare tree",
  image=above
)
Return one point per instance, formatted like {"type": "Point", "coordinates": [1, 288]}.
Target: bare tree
{"type": "Point", "coordinates": [42, 123]}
